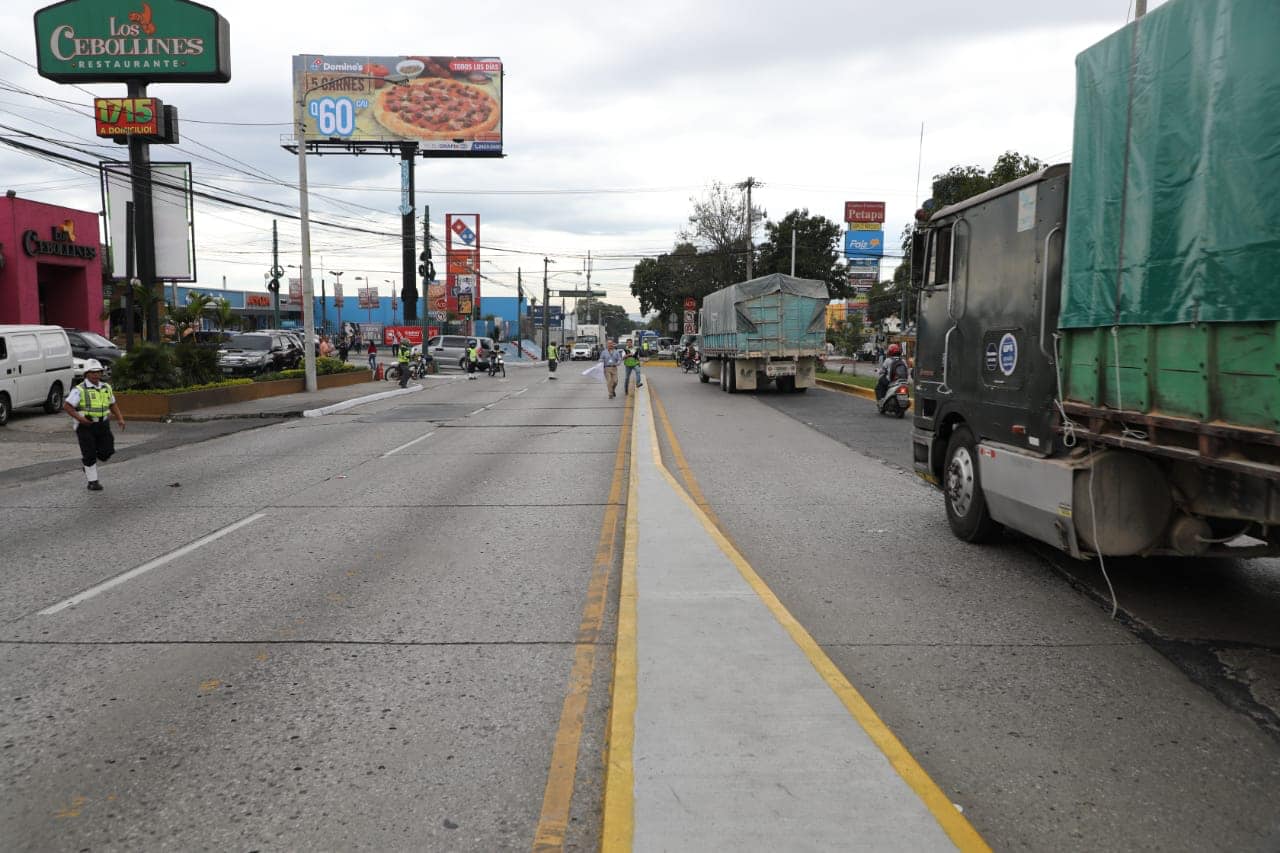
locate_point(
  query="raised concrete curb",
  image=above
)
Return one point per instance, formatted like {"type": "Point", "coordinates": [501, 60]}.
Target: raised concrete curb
{"type": "Point", "coordinates": [864, 393]}
{"type": "Point", "coordinates": [348, 404]}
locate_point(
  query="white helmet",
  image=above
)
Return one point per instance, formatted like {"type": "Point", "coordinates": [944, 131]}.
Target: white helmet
{"type": "Point", "coordinates": [92, 365]}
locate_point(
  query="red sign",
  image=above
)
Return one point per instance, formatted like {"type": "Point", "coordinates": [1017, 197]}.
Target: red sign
{"type": "Point", "coordinates": [690, 304]}
{"type": "Point", "coordinates": [864, 211]}
{"type": "Point", "coordinates": [462, 262]}
{"type": "Point", "coordinates": [392, 335]}
{"type": "Point", "coordinates": [257, 300]}
{"type": "Point", "coordinates": [127, 116]}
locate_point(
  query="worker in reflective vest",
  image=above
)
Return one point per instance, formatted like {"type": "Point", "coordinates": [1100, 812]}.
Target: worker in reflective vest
{"type": "Point", "coordinates": [473, 359]}
{"type": "Point", "coordinates": [631, 361]}
{"type": "Point", "coordinates": [402, 362]}
{"type": "Point", "coordinates": [89, 403]}
{"type": "Point", "coordinates": [552, 357]}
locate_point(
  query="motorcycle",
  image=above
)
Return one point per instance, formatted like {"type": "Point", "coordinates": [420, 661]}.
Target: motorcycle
{"type": "Point", "coordinates": [497, 364]}
{"type": "Point", "coordinates": [689, 363]}
{"type": "Point", "coordinates": [418, 368]}
{"type": "Point", "coordinates": [896, 400]}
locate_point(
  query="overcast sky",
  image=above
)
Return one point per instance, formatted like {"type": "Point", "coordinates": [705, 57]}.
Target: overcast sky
{"type": "Point", "coordinates": [614, 116]}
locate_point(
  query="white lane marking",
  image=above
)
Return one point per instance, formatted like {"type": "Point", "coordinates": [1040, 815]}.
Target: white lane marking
{"type": "Point", "coordinates": [359, 401]}
{"type": "Point", "coordinates": [478, 411]}
{"type": "Point", "coordinates": [407, 444]}
{"type": "Point", "coordinates": [146, 567]}
{"type": "Point", "coordinates": [518, 393]}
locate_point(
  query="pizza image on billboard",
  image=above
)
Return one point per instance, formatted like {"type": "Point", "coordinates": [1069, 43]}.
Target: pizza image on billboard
{"type": "Point", "coordinates": [443, 103]}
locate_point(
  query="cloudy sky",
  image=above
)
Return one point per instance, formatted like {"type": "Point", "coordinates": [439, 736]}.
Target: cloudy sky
{"type": "Point", "coordinates": [614, 117]}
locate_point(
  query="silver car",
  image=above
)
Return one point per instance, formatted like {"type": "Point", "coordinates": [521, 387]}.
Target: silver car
{"type": "Point", "coordinates": [449, 350]}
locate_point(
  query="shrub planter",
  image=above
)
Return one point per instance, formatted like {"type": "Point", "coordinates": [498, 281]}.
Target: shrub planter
{"type": "Point", "coordinates": [141, 406]}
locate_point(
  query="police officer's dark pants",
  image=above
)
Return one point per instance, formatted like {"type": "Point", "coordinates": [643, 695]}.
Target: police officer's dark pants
{"type": "Point", "coordinates": [96, 442]}
{"type": "Point", "coordinates": [404, 375]}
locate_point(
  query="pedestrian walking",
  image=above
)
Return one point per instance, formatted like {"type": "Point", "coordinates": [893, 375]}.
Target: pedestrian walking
{"type": "Point", "coordinates": [326, 347]}
{"type": "Point", "coordinates": [552, 358]}
{"type": "Point", "coordinates": [631, 361]}
{"type": "Point", "coordinates": [89, 403]}
{"type": "Point", "coordinates": [344, 348]}
{"type": "Point", "coordinates": [610, 358]}
{"type": "Point", "coordinates": [373, 357]}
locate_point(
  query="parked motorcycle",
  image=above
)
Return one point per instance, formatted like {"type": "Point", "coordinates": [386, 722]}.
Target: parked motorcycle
{"type": "Point", "coordinates": [497, 364]}
{"type": "Point", "coordinates": [896, 400]}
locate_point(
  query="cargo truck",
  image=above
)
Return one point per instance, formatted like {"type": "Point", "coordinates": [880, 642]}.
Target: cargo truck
{"type": "Point", "coordinates": [768, 329]}
{"type": "Point", "coordinates": [1099, 344]}
{"type": "Point", "coordinates": [587, 343]}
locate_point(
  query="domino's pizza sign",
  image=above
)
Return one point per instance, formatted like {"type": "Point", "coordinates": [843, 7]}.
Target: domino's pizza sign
{"type": "Point", "coordinates": [1008, 354]}
{"type": "Point", "coordinates": [463, 228]}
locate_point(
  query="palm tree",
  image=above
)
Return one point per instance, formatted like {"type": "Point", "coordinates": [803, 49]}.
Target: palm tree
{"type": "Point", "coordinates": [224, 315]}
{"type": "Point", "coordinates": [144, 296]}
{"type": "Point", "coordinates": [188, 317]}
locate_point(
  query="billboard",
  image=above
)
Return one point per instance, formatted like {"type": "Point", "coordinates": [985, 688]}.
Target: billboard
{"type": "Point", "coordinates": [337, 294]}
{"type": "Point", "coordinates": [172, 213]}
{"type": "Point", "coordinates": [162, 41]}
{"type": "Point", "coordinates": [864, 211]}
{"type": "Point", "coordinates": [443, 103]}
{"type": "Point", "coordinates": [863, 244]}
{"type": "Point", "coordinates": [462, 262]}
{"type": "Point", "coordinates": [367, 297]}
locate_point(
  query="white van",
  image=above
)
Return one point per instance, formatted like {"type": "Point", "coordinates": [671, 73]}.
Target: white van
{"type": "Point", "coordinates": [35, 368]}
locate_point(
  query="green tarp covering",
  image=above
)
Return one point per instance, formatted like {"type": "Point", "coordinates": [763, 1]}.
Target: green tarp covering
{"type": "Point", "coordinates": [1174, 211]}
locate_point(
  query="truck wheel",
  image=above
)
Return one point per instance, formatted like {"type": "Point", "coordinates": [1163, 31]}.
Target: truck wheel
{"type": "Point", "coordinates": [962, 489]}
{"type": "Point", "coordinates": [733, 378]}
{"type": "Point", "coordinates": [53, 402]}
{"type": "Point", "coordinates": [702, 377]}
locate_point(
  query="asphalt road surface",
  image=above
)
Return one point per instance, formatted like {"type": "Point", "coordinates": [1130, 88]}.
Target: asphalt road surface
{"type": "Point", "coordinates": [364, 631]}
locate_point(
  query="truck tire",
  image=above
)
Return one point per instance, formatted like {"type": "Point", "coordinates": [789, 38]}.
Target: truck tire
{"type": "Point", "coordinates": [702, 377]}
{"type": "Point", "coordinates": [733, 377]}
{"type": "Point", "coordinates": [962, 491]}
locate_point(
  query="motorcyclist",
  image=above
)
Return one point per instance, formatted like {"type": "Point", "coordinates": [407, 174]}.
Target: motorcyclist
{"type": "Point", "coordinates": [892, 369]}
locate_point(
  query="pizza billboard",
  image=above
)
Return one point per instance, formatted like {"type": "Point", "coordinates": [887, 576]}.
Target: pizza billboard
{"type": "Point", "coordinates": [444, 103]}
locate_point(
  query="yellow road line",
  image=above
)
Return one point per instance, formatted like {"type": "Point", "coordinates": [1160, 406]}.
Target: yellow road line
{"type": "Point", "coordinates": [957, 828]}
{"type": "Point", "coordinates": [558, 794]}
{"type": "Point", "coordinates": [619, 793]}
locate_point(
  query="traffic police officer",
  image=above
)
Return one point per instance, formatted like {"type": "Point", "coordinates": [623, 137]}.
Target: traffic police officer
{"type": "Point", "coordinates": [89, 403]}
{"type": "Point", "coordinates": [402, 362]}
{"type": "Point", "coordinates": [473, 358]}
{"type": "Point", "coordinates": [552, 358]}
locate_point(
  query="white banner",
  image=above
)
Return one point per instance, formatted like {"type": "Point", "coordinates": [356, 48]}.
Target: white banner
{"type": "Point", "coordinates": [172, 211]}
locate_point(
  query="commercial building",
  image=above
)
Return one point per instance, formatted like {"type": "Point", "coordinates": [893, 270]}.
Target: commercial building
{"type": "Point", "coordinates": [50, 265]}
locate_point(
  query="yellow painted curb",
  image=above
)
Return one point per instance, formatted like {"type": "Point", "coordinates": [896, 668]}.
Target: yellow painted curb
{"type": "Point", "coordinates": [854, 390]}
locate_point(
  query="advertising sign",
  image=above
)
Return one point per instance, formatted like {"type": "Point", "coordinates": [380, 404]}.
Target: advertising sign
{"type": "Point", "coordinates": [863, 244]}
{"type": "Point", "coordinates": [864, 211]}
{"type": "Point", "coordinates": [367, 297]}
{"type": "Point", "coordinates": [337, 294]}
{"type": "Point", "coordinates": [865, 226]}
{"type": "Point", "coordinates": [108, 41]}
{"type": "Point", "coordinates": [864, 264]}
{"type": "Point", "coordinates": [392, 335]}
{"type": "Point", "coordinates": [173, 213]}
{"type": "Point", "coordinates": [443, 103]}
{"type": "Point", "coordinates": [127, 117]}
{"type": "Point", "coordinates": [437, 298]}
{"type": "Point", "coordinates": [462, 262]}
{"type": "Point", "coordinates": [295, 289]}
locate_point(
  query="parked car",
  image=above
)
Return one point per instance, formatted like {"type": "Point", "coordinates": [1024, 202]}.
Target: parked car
{"type": "Point", "coordinates": [452, 349]}
{"type": "Point", "coordinates": [666, 348]}
{"type": "Point", "coordinates": [293, 340]}
{"type": "Point", "coordinates": [87, 345]}
{"type": "Point", "coordinates": [251, 353]}
{"type": "Point", "coordinates": [35, 368]}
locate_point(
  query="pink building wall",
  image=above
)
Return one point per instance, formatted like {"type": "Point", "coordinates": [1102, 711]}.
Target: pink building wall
{"type": "Point", "coordinates": [71, 287]}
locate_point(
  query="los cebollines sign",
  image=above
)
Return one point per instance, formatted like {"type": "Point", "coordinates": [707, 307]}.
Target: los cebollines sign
{"type": "Point", "coordinates": [106, 41]}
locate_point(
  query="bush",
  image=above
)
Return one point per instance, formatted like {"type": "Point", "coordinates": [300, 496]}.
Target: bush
{"type": "Point", "coordinates": [324, 367]}
{"type": "Point", "coordinates": [146, 367]}
{"type": "Point", "coordinates": [221, 383]}
{"type": "Point", "coordinates": [197, 365]}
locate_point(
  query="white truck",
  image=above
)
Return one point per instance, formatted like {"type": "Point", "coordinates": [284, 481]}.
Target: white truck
{"type": "Point", "coordinates": [588, 342]}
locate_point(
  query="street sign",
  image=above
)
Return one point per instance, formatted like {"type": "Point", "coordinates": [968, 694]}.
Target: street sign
{"type": "Point", "coordinates": [583, 294]}
{"type": "Point", "coordinates": [440, 316]}
{"type": "Point", "coordinates": [690, 304]}
{"type": "Point", "coordinates": [863, 244]}
{"type": "Point", "coordinates": [864, 211]}
{"type": "Point", "coordinates": [691, 322]}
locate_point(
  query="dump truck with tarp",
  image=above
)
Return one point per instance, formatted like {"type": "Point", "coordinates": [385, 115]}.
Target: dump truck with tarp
{"type": "Point", "coordinates": [1099, 345]}
{"type": "Point", "coordinates": [769, 329]}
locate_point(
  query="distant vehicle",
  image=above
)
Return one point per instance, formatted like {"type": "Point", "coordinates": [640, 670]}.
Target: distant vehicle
{"type": "Point", "coordinates": [452, 349]}
{"type": "Point", "coordinates": [35, 368]}
{"type": "Point", "coordinates": [588, 343]}
{"type": "Point", "coordinates": [251, 353]}
{"type": "Point", "coordinates": [768, 329]}
{"type": "Point", "coordinates": [87, 345]}
{"type": "Point", "coordinates": [666, 348]}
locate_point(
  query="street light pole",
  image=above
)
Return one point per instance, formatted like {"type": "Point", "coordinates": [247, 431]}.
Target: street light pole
{"type": "Point", "coordinates": [337, 288]}
{"type": "Point", "coordinates": [546, 307]}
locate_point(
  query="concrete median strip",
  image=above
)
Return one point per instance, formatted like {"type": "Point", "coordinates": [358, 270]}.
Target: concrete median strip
{"type": "Point", "coordinates": [359, 401]}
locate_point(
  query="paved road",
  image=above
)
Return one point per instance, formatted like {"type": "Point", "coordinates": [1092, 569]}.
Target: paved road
{"type": "Point", "coordinates": [377, 658]}
{"type": "Point", "coordinates": [1053, 725]}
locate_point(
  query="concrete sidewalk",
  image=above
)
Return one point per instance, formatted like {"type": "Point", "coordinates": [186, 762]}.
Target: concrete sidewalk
{"type": "Point", "coordinates": [731, 728]}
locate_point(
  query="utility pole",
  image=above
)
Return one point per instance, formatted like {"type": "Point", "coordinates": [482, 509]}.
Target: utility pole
{"type": "Point", "coordinates": [793, 251]}
{"type": "Point", "coordinates": [275, 276]}
{"type": "Point", "coordinates": [1140, 9]}
{"type": "Point", "coordinates": [519, 313]}
{"type": "Point", "coordinates": [428, 272]}
{"type": "Point", "coordinates": [546, 308]}
{"type": "Point", "coordinates": [144, 220]}
{"type": "Point", "coordinates": [747, 185]}
{"type": "Point", "coordinates": [130, 258]}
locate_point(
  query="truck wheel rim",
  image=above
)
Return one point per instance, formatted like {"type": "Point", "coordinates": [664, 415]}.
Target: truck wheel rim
{"type": "Point", "coordinates": [960, 482]}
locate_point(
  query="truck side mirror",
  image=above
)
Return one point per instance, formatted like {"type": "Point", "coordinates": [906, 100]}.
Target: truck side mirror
{"type": "Point", "coordinates": [919, 240]}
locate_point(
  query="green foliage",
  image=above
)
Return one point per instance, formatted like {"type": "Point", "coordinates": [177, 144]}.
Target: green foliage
{"type": "Point", "coordinates": [224, 315]}
{"type": "Point", "coordinates": [182, 389]}
{"type": "Point", "coordinates": [146, 367]}
{"type": "Point", "coordinates": [818, 250]}
{"type": "Point", "coordinates": [848, 338]}
{"type": "Point", "coordinates": [324, 367]}
{"type": "Point", "coordinates": [197, 365]}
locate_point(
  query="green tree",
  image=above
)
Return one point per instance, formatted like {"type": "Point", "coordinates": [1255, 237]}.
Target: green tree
{"type": "Point", "coordinates": [187, 318]}
{"type": "Point", "coordinates": [818, 250]}
{"type": "Point", "coordinates": [224, 315]}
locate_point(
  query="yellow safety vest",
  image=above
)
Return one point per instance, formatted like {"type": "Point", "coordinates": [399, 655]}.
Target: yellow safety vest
{"type": "Point", "coordinates": [551, 351]}
{"type": "Point", "coordinates": [95, 403]}
{"type": "Point", "coordinates": [402, 355]}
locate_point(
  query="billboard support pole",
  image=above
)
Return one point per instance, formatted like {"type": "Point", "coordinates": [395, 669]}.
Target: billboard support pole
{"type": "Point", "coordinates": [546, 309]}
{"type": "Point", "coordinates": [308, 292]}
{"type": "Point", "coordinates": [144, 220]}
{"type": "Point", "coordinates": [428, 273]}
{"type": "Point", "coordinates": [275, 265]}
{"type": "Point", "coordinates": [409, 292]}
{"type": "Point", "coordinates": [129, 259]}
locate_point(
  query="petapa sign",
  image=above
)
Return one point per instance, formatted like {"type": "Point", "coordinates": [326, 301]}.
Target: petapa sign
{"type": "Point", "coordinates": [864, 211]}
{"type": "Point", "coordinates": [120, 41]}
